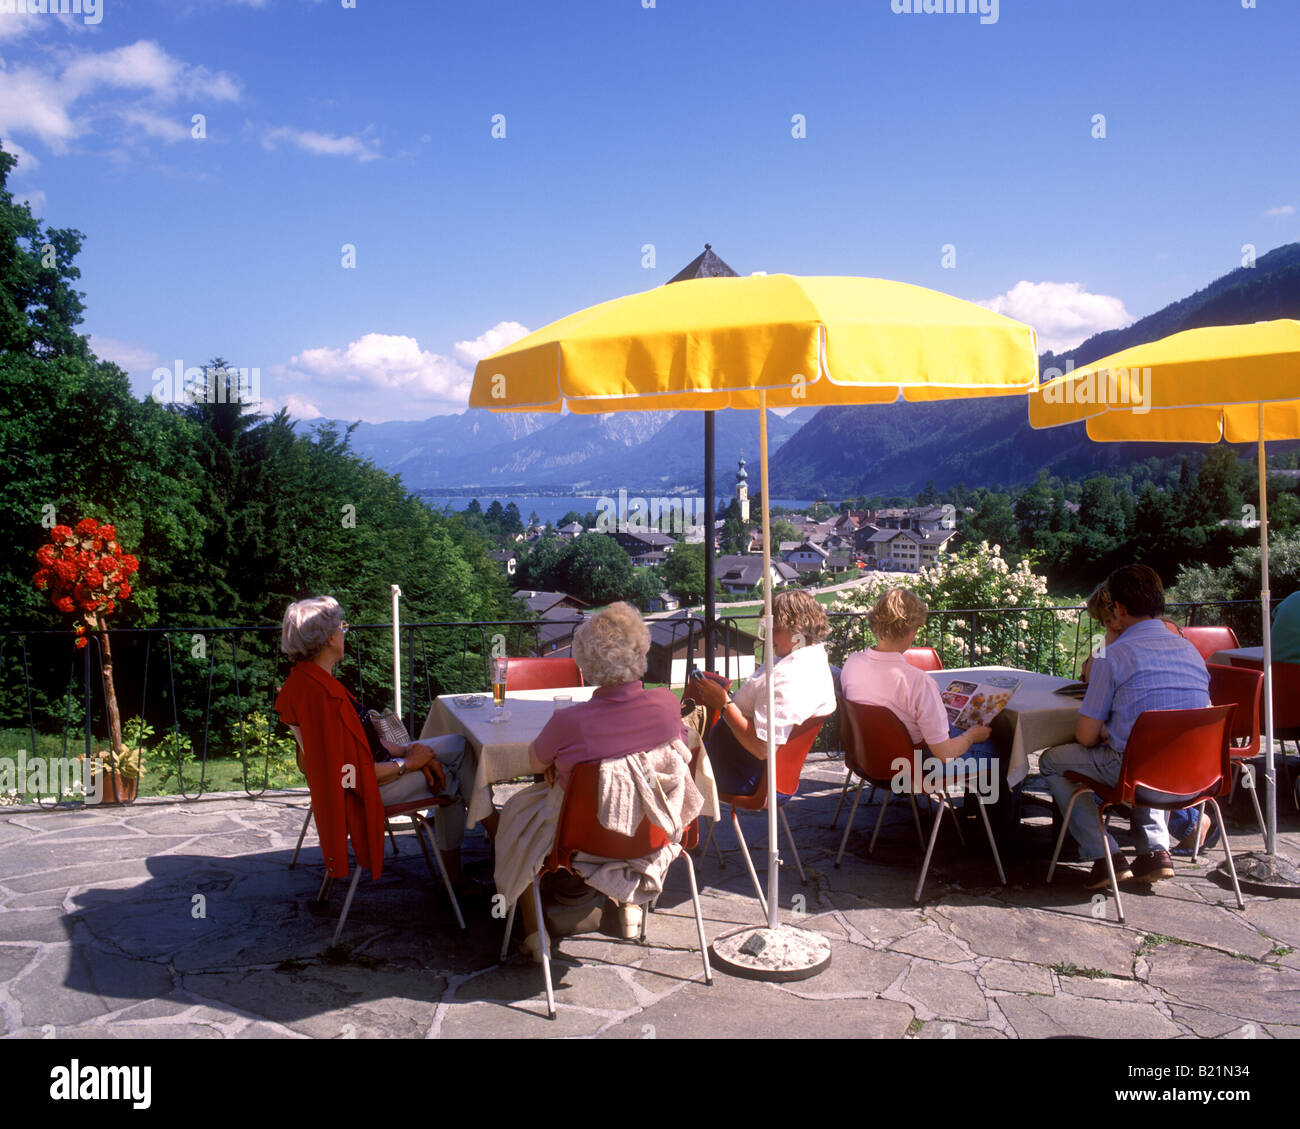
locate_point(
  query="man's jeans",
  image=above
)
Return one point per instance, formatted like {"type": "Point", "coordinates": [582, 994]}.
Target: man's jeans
{"type": "Point", "coordinates": [1101, 763]}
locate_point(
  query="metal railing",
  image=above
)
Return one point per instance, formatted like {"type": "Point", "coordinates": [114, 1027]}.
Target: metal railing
{"type": "Point", "coordinates": [208, 693]}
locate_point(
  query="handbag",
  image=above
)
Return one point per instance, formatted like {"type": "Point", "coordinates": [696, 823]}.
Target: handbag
{"type": "Point", "coordinates": [394, 738]}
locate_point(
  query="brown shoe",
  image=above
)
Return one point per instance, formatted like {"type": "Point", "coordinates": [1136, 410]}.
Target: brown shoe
{"type": "Point", "coordinates": [1153, 867]}
{"type": "Point", "coordinates": [1099, 877]}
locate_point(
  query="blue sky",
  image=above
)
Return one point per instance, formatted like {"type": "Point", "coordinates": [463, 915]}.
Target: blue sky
{"type": "Point", "coordinates": [625, 125]}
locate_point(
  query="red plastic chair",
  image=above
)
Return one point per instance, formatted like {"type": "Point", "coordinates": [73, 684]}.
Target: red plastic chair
{"type": "Point", "coordinates": [1244, 688]}
{"type": "Point", "coordinates": [1211, 640]}
{"type": "Point", "coordinates": [1184, 752]}
{"type": "Point", "coordinates": [579, 830]}
{"type": "Point", "coordinates": [790, 759]}
{"type": "Point", "coordinates": [542, 674]}
{"type": "Point", "coordinates": [923, 658]}
{"type": "Point", "coordinates": [877, 740]}
{"type": "Point", "coordinates": [1286, 709]}
{"type": "Point", "coordinates": [423, 826]}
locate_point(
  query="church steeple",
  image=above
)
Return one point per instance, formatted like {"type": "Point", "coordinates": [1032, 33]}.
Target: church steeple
{"type": "Point", "coordinates": [742, 488]}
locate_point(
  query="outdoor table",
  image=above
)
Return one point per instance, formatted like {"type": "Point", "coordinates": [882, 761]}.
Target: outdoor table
{"type": "Point", "coordinates": [502, 748]}
{"type": "Point", "coordinates": [1035, 719]}
{"type": "Point", "coordinates": [1224, 658]}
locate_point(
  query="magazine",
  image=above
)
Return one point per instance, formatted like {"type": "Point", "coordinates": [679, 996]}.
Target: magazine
{"type": "Point", "coordinates": [978, 703]}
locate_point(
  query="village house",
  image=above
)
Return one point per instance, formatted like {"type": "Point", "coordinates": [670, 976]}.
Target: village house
{"type": "Point", "coordinates": [738, 574]}
{"type": "Point", "coordinates": [678, 641]}
{"type": "Point", "coordinates": [506, 558]}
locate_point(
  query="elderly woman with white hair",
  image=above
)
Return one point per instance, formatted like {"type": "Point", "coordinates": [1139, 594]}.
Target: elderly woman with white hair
{"type": "Point", "coordinates": [335, 745]}
{"type": "Point", "coordinates": [622, 717]}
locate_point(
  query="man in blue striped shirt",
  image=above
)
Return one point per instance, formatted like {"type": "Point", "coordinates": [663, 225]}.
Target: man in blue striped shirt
{"type": "Point", "coordinates": [1147, 668]}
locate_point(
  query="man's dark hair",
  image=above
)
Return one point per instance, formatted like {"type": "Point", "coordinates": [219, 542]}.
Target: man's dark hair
{"type": "Point", "coordinates": [1138, 588]}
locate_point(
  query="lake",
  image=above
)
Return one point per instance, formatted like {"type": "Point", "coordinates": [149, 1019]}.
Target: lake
{"type": "Point", "coordinates": [553, 507]}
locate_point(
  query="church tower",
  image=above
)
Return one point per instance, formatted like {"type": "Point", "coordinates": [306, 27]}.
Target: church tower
{"type": "Point", "coordinates": [742, 489]}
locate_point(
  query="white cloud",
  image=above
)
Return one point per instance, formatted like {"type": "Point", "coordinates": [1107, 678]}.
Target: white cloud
{"type": "Point", "coordinates": [54, 102]}
{"type": "Point", "coordinates": [386, 362]}
{"type": "Point", "coordinates": [155, 125]}
{"type": "Point", "coordinates": [322, 144]}
{"type": "Point", "coordinates": [498, 337]}
{"type": "Point", "coordinates": [1284, 210]}
{"type": "Point", "coordinates": [34, 198]}
{"type": "Point", "coordinates": [125, 354]}
{"type": "Point", "coordinates": [1063, 313]}
{"type": "Point", "coordinates": [26, 162]}
{"type": "Point", "coordinates": [297, 406]}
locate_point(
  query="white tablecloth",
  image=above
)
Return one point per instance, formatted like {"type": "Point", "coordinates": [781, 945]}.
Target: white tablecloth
{"type": "Point", "coordinates": [502, 748]}
{"type": "Point", "coordinates": [1035, 719]}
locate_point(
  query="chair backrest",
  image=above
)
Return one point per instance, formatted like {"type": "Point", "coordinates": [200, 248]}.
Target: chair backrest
{"type": "Point", "coordinates": [1286, 691]}
{"type": "Point", "coordinates": [1243, 688]}
{"type": "Point", "coordinates": [1210, 640]}
{"type": "Point", "coordinates": [579, 828]}
{"type": "Point", "coordinates": [1184, 752]}
{"type": "Point", "coordinates": [789, 765]}
{"type": "Point", "coordinates": [877, 739]}
{"type": "Point", "coordinates": [542, 674]}
{"type": "Point", "coordinates": [923, 658]}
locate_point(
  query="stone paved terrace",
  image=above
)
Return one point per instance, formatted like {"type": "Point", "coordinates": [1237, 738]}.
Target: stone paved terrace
{"type": "Point", "coordinates": [98, 939]}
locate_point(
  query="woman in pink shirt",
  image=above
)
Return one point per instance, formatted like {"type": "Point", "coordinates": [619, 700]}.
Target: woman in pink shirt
{"type": "Point", "coordinates": [882, 676]}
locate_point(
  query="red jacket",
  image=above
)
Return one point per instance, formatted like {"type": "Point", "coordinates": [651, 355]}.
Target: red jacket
{"type": "Point", "coordinates": [340, 771]}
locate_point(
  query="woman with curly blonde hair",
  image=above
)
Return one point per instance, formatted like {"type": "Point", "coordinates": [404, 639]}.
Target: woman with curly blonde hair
{"type": "Point", "coordinates": [802, 688]}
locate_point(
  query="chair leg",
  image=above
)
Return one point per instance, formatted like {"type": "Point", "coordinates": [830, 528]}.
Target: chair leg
{"type": "Point", "coordinates": [1196, 837]}
{"type": "Point", "coordinates": [848, 779]}
{"type": "Point", "coordinates": [1227, 851]}
{"type": "Point", "coordinates": [929, 850]}
{"type": "Point", "coordinates": [880, 819]}
{"type": "Point", "coordinates": [1248, 771]}
{"type": "Point", "coordinates": [699, 919]}
{"type": "Point", "coordinates": [546, 946]}
{"type": "Point", "coordinates": [1065, 827]}
{"type": "Point", "coordinates": [510, 925]}
{"type": "Point", "coordinates": [916, 819]}
{"type": "Point", "coordinates": [793, 849]}
{"type": "Point", "coordinates": [961, 837]}
{"type": "Point", "coordinates": [988, 830]}
{"type": "Point", "coordinates": [704, 850]}
{"type": "Point", "coordinates": [749, 862]}
{"type": "Point", "coordinates": [1110, 866]}
{"type": "Point", "coordinates": [393, 838]}
{"type": "Point", "coordinates": [347, 904]}
{"type": "Point", "coordinates": [857, 795]}
{"type": "Point", "coordinates": [301, 836]}
{"type": "Point", "coordinates": [427, 825]}
{"type": "Point", "coordinates": [324, 891]}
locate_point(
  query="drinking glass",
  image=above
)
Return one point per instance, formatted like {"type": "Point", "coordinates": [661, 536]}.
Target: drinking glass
{"type": "Point", "coordinates": [497, 674]}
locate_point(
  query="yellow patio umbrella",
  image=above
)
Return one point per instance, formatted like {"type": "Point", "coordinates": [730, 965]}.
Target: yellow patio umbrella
{"type": "Point", "coordinates": [759, 342]}
{"type": "Point", "coordinates": [1240, 383]}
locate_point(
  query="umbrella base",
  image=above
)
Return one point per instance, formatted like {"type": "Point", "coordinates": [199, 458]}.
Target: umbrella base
{"type": "Point", "coordinates": [780, 954]}
{"type": "Point", "coordinates": [1259, 873]}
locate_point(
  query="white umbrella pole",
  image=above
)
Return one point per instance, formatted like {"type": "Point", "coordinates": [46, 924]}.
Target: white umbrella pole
{"type": "Point", "coordinates": [1270, 780]}
{"type": "Point", "coordinates": [773, 858]}
{"type": "Point", "coordinates": [397, 656]}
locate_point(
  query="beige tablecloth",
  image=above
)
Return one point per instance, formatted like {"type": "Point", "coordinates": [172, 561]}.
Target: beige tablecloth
{"type": "Point", "coordinates": [503, 748]}
{"type": "Point", "coordinates": [1035, 719]}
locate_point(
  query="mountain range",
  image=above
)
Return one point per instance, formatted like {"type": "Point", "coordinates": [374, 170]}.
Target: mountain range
{"type": "Point", "coordinates": [839, 452]}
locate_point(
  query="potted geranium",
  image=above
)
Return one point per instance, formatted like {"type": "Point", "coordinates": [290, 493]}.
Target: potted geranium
{"type": "Point", "coordinates": [87, 575]}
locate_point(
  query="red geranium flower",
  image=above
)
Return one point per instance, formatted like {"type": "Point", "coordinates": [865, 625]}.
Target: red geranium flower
{"type": "Point", "coordinates": [42, 578]}
{"type": "Point", "coordinates": [65, 604]}
{"type": "Point", "coordinates": [94, 578]}
{"type": "Point", "coordinates": [87, 527]}
{"type": "Point", "coordinates": [46, 554]}
{"type": "Point", "coordinates": [66, 571]}
{"type": "Point", "coordinates": [69, 552]}
{"type": "Point", "coordinates": [107, 532]}
{"type": "Point", "coordinates": [109, 608]}
{"type": "Point", "coordinates": [81, 642]}
{"type": "Point", "coordinates": [124, 592]}
{"type": "Point", "coordinates": [130, 564]}
{"type": "Point", "coordinates": [60, 533]}
{"type": "Point", "coordinates": [97, 544]}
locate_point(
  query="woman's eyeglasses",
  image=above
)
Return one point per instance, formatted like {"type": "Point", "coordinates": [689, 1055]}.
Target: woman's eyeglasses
{"type": "Point", "coordinates": [344, 627]}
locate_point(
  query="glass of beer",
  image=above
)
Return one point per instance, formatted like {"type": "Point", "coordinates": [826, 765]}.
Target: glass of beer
{"type": "Point", "coordinates": [497, 675]}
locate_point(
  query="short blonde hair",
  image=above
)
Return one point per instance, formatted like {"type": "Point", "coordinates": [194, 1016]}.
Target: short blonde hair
{"type": "Point", "coordinates": [308, 626]}
{"type": "Point", "coordinates": [612, 647]}
{"type": "Point", "coordinates": [896, 613]}
{"type": "Point", "coordinates": [1099, 604]}
{"type": "Point", "coordinates": [799, 613]}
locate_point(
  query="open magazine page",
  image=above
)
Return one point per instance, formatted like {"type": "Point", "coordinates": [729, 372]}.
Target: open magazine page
{"type": "Point", "coordinates": [978, 703]}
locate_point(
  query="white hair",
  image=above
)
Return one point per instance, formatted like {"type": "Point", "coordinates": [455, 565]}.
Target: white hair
{"type": "Point", "coordinates": [308, 625]}
{"type": "Point", "coordinates": [611, 648]}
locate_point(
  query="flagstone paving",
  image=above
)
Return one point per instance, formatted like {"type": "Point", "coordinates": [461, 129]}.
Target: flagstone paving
{"type": "Point", "coordinates": [182, 920]}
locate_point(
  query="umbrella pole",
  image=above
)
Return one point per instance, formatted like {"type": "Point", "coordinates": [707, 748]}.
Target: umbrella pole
{"type": "Point", "coordinates": [397, 656]}
{"type": "Point", "coordinates": [773, 857]}
{"type": "Point", "coordinates": [1270, 778]}
{"type": "Point", "coordinates": [774, 952]}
